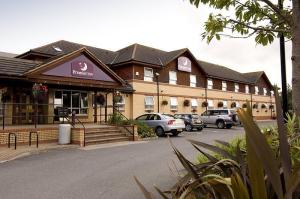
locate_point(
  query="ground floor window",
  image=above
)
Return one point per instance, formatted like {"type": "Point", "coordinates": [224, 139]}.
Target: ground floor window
{"type": "Point", "coordinates": [74, 100]}
{"type": "Point", "coordinates": [210, 103]}
{"type": "Point", "coordinates": [194, 104]}
{"type": "Point", "coordinates": [174, 103]}
{"type": "Point", "coordinates": [149, 103]}
{"type": "Point", "coordinates": [121, 103]}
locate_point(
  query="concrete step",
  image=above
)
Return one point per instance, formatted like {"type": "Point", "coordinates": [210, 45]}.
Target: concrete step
{"type": "Point", "coordinates": [104, 135]}
{"type": "Point", "coordinates": [106, 140]}
{"type": "Point", "coordinates": [97, 131]}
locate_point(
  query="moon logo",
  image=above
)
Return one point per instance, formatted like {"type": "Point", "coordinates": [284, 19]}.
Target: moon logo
{"type": "Point", "coordinates": [85, 67]}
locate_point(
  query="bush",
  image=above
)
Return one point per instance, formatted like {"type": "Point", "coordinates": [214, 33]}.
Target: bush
{"type": "Point", "coordinates": [116, 119]}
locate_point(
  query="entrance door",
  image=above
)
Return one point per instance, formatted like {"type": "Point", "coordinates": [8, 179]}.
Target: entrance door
{"type": "Point", "coordinates": [23, 109]}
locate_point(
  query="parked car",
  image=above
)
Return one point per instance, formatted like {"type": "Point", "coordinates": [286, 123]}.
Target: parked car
{"type": "Point", "coordinates": [191, 121]}
{"type": "Point", "coordinates": [162, 123]}
{"type": "Point", "coordinates": [220, 117]}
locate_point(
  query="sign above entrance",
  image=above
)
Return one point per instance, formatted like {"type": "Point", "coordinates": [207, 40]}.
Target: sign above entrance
{"type": "Point", "coordinates": [82, 69]}
{"type": "Point", "coordinates": [184, 64]}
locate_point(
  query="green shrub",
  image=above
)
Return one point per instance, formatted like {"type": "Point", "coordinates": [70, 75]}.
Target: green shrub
{"type": "Point", "coordinates": [116, 119]}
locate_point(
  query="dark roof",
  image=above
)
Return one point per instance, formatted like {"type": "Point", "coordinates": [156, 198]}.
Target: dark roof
{"type": "Point", "coordinates": [6, 54]}
{"type": "Point", "coordinates": [67, 47]}
{"type": "Point", "coordinates": [253, 76]}
{"type": "Point", "coordinates": [15, 67]}
{"type": "Point", "coordinates": [217, 71]}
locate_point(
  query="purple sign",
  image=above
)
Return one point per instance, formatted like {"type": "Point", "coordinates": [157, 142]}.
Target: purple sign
{"type": "Point", "coordinates": [82, 69]}
{"type": "Point", "coordinates": [184, 64]}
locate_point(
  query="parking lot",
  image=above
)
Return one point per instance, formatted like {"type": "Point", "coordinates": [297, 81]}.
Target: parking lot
{"type": "Point", "coordinates": [102, 172]}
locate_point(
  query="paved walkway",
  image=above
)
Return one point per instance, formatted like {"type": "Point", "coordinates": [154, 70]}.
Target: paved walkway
{"type": "Point", "coordinates": [7, 154]}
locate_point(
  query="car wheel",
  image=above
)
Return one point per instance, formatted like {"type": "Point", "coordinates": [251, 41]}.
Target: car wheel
{"type": "Point", "coordinates": [200, 128]}
{"type": "Point", "coordinates": [220, 124]}
{"type": "Point", "coordinates": [188, 127]}
{"type": "Point", "coordinates": [228, 126]}
{"type": "Point", "coordinates": [159, 131]}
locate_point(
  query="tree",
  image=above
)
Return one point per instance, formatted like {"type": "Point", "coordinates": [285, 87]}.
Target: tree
{"type": "Point", "coordinates": [262, 19]}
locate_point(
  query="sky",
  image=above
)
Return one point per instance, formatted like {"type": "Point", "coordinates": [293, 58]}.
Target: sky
{"type": "Point", "coordinates": [114, 24]}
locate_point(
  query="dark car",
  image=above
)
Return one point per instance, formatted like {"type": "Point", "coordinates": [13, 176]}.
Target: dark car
{"type": "Point", "coordinates": [191, 121]}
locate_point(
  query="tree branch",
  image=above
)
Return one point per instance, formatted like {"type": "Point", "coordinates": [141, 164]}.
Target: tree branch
{"type": "Point", "coordinates": [260, 28]}
{"type": "Point", "coordinates": [277, 11]}
{"type": "Point", "coordinates": [239, 37]}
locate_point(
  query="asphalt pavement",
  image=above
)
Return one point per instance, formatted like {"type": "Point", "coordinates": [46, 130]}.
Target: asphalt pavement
{"type": "Point", "coordinates": [103, 173]}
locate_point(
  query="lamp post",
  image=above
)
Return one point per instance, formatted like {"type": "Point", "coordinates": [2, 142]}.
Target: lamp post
{"type": "Point", "coordinates": [157, 90]}
{"type": "Point", "coordinates": [283, 70]}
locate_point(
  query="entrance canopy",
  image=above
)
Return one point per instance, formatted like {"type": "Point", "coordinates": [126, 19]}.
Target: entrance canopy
{"type": "Point", "coordinates": [79, 68]}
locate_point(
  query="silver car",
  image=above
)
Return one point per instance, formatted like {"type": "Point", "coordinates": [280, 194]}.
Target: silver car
{"type": "Point", "coordinates": [162, 123]}
{"type": "Point", "coordinates": [220, 117]}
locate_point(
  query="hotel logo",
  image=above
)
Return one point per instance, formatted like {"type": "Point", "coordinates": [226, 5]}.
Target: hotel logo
{"type": "Point", "coordinates": [82, 69]}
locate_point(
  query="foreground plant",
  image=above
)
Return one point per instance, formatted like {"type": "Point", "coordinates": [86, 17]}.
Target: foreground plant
{"type": "Point", "coordinates": [256, 173]}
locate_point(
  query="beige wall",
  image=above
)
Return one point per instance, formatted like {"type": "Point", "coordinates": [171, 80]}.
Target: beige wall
{"type": "Point", "coordinates": [143, 89]}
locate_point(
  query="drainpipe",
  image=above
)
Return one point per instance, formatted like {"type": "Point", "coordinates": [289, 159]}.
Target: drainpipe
{"type": "Point", "coordinates": [95, 106]}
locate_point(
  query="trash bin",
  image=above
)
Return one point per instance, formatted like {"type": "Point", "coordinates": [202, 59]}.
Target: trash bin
{"type": "Point", "coordinates": [64, 131]}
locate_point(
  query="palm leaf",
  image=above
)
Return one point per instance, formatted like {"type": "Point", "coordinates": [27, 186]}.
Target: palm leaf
{"type": "Point", "coordinates": [239, 189]}
{"type": "Point", "coordinates": [262, 152]}
{"type": "Point", "coordinates": [146, 193]}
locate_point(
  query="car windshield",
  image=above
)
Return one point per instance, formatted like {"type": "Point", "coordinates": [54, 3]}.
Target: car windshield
{"type": "Point", "coordinates": [167, 116]}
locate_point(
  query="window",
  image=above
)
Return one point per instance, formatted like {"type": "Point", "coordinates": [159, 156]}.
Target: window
{"type": "Point", "coordinates": [247, 89]}
{"type": "Point", "coordinates": [236, 87]}
{"type": "Point", "coordinates": [210, 104]}
{"type": "Point", "coordinates": [143, 117]}
{"type": "Point", "coordinates": [173, 103]}
{"type": "Point", "coordinates": [224, 86]}
{"type": "Point", "coordinates": [74, 100]}
{"type": "Point", "coordinates": [256, 90]}
{"type": "Point", "coordinates": [172, 77]}
{"type": "Point", "coordinates": [149, 102]}
{"type": "Point", "coordinates": [265, 91]}
{"type": "Point", "coordinates": [148, 74]}
{"type": "Point", "coordinates": [194, 103]}
{"type": "Point", "coordinates": [193, 81]}
{"type": "Point", "coordinates": [121, 103]}
{"type": "Point", "coordinates": [272, 93]}
{"type": "Point", "coordinates": [58, 49]}
{"type": "Point", "coordinates": [209, 83]}
{"type": "Point", "coordinates": [224, 104]}
{"type": "Point", "coordinates": [237, 105]}
{"type": "Point", "coordinates": [154, 117]}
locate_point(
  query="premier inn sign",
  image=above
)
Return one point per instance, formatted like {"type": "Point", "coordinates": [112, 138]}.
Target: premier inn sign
{"type": "Point", "coordinates": [82, 69]}
{"type": "Point", "coordinates": [184, 64]}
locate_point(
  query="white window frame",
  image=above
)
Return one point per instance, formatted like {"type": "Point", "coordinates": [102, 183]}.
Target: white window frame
{"type": "Point", "coordinates": [172, 80]}
{"type": "Point", "coordinates": [265, 91]}
{"type": "Point", "coordinates": [193, 80]}
{"type": "Point", "coordinates": [247, 89]}
{"type": "Point", "coordinates": [149, 106]}
{"type": "Point", "coordinates": [256, 90]}
{"type": "Point", "coordinates": [236, 87]}
{"type": "Point", "coordinates": [173, 103]}
{"type": "Point", "coordinates": [148, 78]}
{"type": "Point", "coordinates": [210, 103]}
{"type": "Point", "coordinates": [225, 104]}
{"type": "Point", "coordinates": [224, 86]}
{"type": "Point", "coordinates": [272, 93]}
{"type": "Point", "coordinates": [194, 103]}
{"type": "Point", "coordinates": [210, 84]}
{"type": "Point", "coordinates": [121, 104]}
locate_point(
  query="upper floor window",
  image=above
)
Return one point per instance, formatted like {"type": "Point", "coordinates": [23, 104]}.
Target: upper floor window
{"type": "Point", "coordinates": [247, 89]}
{"type": "Point", "coordinates": [224, 86]}
{"type": "Point", "coordinates": [236, 87]}
{"type": "Point", "coordinates": [256, 90]}
{"type": "Point", "coordinates": [172, 77]}
{"type": "Point", "coordinates": [265, 91]}
{"type": "Point", "coordinates": [173, 103]}
{"type": "Point", "coordinates": [148, 74]}
{"type": "Point", "coordinates": [272, 93]}
{"type": "Point", "coordinates": [149, 102]}
{"type": "Point", "coordinates": [209, 83]}
{"type": "Point", "coordinates": [193, 81]}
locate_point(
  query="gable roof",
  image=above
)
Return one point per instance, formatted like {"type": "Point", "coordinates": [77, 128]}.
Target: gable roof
{"type": "Point", "coordinates": [253, 77]}
{"type": "Point", "coordinates": [6, 54]}
{"type": "Point", "coordinates": [222, 72]}
{"type": "Point", "coordinates": [16, 67]}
